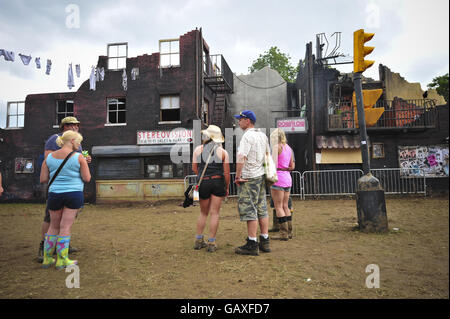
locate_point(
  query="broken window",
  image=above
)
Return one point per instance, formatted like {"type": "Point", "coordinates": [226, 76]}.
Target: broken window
{"type": "Point", "coordinates": [63, 109]}
{"type": "Point", "coordinates": [116, 111]}
{"type": "Point", "coordinates": [15, 115]}
{"type": "Point", "coordinates": [169, 52]}
{"type": "Point", "coordinates": [117, 56]}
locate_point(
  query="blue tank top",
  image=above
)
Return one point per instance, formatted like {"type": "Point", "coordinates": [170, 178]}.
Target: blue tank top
{"type": "Point", "coordinates": [69, 178]}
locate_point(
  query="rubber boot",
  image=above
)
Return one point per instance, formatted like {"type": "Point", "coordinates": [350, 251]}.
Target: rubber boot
{"type": "Point", "coordinates": [62, 246]}
{"type": "Point", "coordinates": [289, 229]}
{"type": "Point", "coordinates": [283, 234]}
{"type": "Point", "coordinates": [276, 225]}
{"type": "Point", "coordinates": [48, 250]}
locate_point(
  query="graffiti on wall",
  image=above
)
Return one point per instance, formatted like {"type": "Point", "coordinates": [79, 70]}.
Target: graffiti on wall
{"type": "Point", "coordinates": [432, 161]}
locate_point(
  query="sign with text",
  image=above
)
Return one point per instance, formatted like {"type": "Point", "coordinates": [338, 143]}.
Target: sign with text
{"type": "Point", "coordinates": [292, 124]}
{"type": "Point", "coordinates": [179, 135]}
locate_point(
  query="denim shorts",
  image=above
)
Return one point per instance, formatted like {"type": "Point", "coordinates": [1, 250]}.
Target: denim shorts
{"type": "Point", "coordinates": [72, 200]}
{"type": "Point", "coordinates": [279, 188]}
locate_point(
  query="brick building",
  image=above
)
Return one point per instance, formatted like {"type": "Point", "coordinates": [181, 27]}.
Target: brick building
{"type": "Point", "coordinates": [127, 127]}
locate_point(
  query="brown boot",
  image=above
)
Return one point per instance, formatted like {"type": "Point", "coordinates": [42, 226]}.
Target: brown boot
{"type": "Point", "coordinates": [283, 234]}
{"type": "Point", "coordinates": [276, 225]}
{"type": "Point", "coordinates": [289, 229]}
{"type": "Point", "coordinates": [199, 244]}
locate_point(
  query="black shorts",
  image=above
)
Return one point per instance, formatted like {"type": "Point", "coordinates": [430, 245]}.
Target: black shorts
{"type": "Point", "coordinates": [57, 201]}
{"type": "Point", "coordinates": [215, 186]}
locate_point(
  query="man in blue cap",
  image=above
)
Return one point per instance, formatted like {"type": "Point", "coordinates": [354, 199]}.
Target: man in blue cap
{"type": "Point", "coordinates": [251, 183]}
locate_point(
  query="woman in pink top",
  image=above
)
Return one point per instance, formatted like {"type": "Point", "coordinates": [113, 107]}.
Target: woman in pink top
{"type": "Point", "coordinates": [280, 191]}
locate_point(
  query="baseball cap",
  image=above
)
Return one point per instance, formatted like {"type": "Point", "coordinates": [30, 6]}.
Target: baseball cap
{"type": "Point", "coordinates": [247, 114]}
{"type": "Point", "coordinates": [68, 120]}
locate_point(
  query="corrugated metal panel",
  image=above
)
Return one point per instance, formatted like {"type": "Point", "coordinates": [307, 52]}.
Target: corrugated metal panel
{"type": "Point", "coordinates": [338, 141]}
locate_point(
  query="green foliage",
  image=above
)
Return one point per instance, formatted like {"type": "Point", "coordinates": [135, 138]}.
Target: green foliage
{"type": "Point", "coordinates": [440, 83]}
{"type": "Point", "coordinates": [276, 60]}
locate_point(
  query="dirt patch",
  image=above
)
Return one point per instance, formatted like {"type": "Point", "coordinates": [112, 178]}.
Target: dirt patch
{"type": "Point", "coordinates": [146, 251]}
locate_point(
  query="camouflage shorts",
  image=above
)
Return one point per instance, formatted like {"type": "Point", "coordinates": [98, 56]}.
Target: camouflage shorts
{"type": "Point", "coordinates": [252, 203]}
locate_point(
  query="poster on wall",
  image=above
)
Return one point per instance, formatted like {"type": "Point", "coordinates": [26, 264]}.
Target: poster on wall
{"type": "Point", "coordinates": [431, 161]}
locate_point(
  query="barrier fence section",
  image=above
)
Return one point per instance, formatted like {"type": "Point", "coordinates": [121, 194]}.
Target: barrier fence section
{"type": "Point", "coordinates": [330, 182]}
{"type": "Point", "coordinates": [343, 182]}
{"type": "Point", "coordinates": [401, 180]}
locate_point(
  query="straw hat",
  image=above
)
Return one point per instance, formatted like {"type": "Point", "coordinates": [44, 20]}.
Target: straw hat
{"type": "Point", "coordinates": [68, 120]}
{"type": "Point", "coordinates": [214, 133]}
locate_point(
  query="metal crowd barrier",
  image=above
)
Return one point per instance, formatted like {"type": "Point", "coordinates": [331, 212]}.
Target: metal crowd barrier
{"type": "Point", "coordinates": [401, 180]}
{"type": "Point", "coordinates": [330, 182]}
{"type": "Point", "coordinates": [343, 182]}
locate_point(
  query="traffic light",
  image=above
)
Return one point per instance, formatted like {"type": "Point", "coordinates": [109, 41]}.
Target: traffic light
{"type": "Point", "coordinates": [360, 51]}
{"type": "Point", "coordinates": [372, 114]}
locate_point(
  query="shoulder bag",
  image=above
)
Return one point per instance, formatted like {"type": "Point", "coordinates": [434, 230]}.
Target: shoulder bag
{"type": "Point", "coordinates": [195, 188]}
{"type": "Point", "coordinates": [59, 170]}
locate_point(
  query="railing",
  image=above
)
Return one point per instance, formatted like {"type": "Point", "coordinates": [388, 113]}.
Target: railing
{"type": "Point", "coordinates": [401, 180]}
{"type": "Point", "coordinates": [330, 182]}
{"type": "Point", "coordinates": [217, 73]}
{"type": "Point", "coordinates": [344, 182]}
{"type": "Point", "coordinates": [397, 114]}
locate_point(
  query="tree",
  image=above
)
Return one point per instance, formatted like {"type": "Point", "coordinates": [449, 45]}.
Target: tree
{"type": "Point", "coordinates": [276, 60]}
{"type": "Point", "coordinates": [441, 85]}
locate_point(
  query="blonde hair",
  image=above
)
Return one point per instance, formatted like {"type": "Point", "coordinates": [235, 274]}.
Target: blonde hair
{"type": "Point", "coordinates": [67, 137]}
{"type": "Point", "coordinates": [278, 136]}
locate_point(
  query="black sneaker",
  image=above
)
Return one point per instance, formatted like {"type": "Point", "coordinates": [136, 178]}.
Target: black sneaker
{"type": "Point", "coordinates": [264, 244]}
{"type": "Point", "coordinates": [250, 248]}
{"type": "Point", "coordinates": [40, 256]}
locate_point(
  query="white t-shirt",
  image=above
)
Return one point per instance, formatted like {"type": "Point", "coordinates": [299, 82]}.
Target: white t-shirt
{"type": "Point", "coordinates": [253, 146]}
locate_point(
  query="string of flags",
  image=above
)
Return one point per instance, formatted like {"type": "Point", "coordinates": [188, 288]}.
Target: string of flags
{"type": "Point", "coordinates": [97, 74]}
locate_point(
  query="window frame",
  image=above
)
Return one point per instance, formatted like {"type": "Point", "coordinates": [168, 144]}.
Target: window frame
{"type": "Point", "coordinates": [116, 57]}
{"type": "Point", "coordinates": [108, 99]}
{"type": "Point", "coordinates": [17, 115]}
{"type": "Point", "coordinates": [170, 54]}
{"type": "Point", "coordinates": [161, 121]}
{"type": "Point", "coordinates": [66, 113]}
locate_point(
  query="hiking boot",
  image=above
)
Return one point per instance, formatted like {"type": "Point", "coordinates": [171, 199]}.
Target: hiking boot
{"type": "Point", "coordinates": [264, 244]}
{"type": "Point", "coordinates": [283, 234]}
{"type": "Point", "coordinates": [276, 225]}
{"type": "Point", "coordinates": [212, 247]}
{"type": "Point", "coordinates": [72, 249]}
{"type": "Point", "coordinates": [199, 244]}
{"type": "Point", "coordinates": [40, 256]}
{"type": "Point", "coordinates": [250, 248]}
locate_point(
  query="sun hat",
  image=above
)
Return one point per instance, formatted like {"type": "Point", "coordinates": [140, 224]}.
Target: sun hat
{"type": "Point", "coordinates": [68, 120]}
{"type": "Point", "coordinates": [247, 114]}
{"type": "Point", "coordinates": [214, 133]}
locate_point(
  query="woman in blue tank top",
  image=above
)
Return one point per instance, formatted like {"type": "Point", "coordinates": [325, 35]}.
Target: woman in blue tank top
{"type": "Point", "coordinates": [65, 197]}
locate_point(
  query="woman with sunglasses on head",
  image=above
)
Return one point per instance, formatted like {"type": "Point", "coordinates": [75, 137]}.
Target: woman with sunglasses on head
{"type": "Point", "coordinates": [214, 185]}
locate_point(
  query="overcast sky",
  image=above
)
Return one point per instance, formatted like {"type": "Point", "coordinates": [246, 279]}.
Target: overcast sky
{"type": "Point", "coordinates": [411, 36]}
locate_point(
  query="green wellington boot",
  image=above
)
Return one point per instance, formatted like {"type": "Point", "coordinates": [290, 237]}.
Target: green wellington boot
{"type": "Point", "coordinates": [63, 260]}
{"type": "Point", "coordinates": [49, 248]}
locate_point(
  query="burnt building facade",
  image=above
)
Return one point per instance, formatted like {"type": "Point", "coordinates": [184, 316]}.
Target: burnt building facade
{"type": "Point", "coordinates": [407, 133]}
{"type": "Point", "coordinates": [139, 109]}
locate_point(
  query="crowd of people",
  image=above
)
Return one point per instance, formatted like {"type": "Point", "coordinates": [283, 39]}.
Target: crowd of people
{"type": "Point", "coordinates": [65, 169]}
{"type": "Point", "coordinates": [213, 184]}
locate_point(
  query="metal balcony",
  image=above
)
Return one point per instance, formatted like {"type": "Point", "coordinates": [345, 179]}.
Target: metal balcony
{"type": "Point", "coordinates": [217, 74]}
{"type": "Point", "coordinates": [398, 114]}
